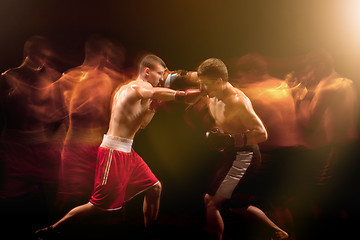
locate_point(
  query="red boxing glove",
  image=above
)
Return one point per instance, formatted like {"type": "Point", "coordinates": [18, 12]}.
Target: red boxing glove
{"type": "Point", "coordinates": [155, 104]}
{"type": "Point", "coordinates": [189, 96]}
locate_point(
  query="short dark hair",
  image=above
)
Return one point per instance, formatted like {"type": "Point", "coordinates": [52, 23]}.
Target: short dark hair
{"type": "Point", "coordinates": [213, 68]}
{"type": "Point", "coordinates": [150, 60]}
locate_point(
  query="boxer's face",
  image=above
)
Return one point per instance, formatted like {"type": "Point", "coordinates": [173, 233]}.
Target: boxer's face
{"type": "Point", "coordinates": [155, 74]}
{"type": "Point", "coordinates": [211, 86]}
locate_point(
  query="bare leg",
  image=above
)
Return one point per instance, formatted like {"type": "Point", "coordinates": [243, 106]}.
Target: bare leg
{"type": "Point", "coordinates": [259, 215]}
{"type": "Point", "coordinates": [151, 204]}
{"type": "Point", "coordinates": [214, 221]}
{"type": "Point", "coordinates": [76, 214]}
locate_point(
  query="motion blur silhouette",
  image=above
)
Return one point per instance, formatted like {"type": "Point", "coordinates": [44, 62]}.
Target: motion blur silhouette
{"type": "Point", "coordinates": [34, 121]}
{"type": "Point", "coordinates": [87, 90]}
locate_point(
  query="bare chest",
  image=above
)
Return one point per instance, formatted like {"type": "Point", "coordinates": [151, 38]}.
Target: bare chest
{"type": "Point", "coordinates": [218, 111]}
{"type": "Point", "coordinates": [226, 116]}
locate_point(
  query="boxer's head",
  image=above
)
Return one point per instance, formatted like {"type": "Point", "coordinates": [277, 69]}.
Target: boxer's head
{"type": "Point", "coordinates": [152, 69]}
{"type": "Point", "coordinates": [212, 74]}
{"type": "Point", "coordinates": [38, 50]}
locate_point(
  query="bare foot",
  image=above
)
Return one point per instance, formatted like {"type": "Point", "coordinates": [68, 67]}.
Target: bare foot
{"type": "Point", "coordinates": [280, 235]}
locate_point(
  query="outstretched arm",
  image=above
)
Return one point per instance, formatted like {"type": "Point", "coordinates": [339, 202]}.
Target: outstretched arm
{"type": "Point", "coordinates": [145, 90]}
{"type": "Point", "coordinates": [164, 94]}
{"type": "Point", "coordinates": [188, 96]}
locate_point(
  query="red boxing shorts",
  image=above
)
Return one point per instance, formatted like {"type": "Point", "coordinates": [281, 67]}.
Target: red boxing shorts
{"type": "Point", "coordinates": [120, 174]}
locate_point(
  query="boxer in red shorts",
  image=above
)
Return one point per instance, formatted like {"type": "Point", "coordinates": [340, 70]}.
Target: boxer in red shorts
{"type": "Point", "coordinates": [120, 173]}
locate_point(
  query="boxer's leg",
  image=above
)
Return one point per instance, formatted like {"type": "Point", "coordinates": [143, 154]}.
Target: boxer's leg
{"type": "Point", "coordinates": [257, 214]}
{"type": "Point", "coordinates": [214, 221]}
{"type": "Point", "coordinates": [74, 215]}
{"type": "Point", "coordinates": [152, 203]}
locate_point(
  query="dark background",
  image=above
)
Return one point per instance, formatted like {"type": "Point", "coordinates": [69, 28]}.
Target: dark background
{"type": "Point", "coordinates": [184, 33]}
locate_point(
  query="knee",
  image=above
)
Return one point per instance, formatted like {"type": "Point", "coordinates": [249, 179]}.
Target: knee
{"type": "Point", "coordinates": [156, 189]}
{"type": "Point", "coordinates": [209, 201]}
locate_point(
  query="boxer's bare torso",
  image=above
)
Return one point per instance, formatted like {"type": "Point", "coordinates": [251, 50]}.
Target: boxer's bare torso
{"type": "Point", "coordinates": [234, 114]}
{"type": "Point", "coordinates": [131, 107]}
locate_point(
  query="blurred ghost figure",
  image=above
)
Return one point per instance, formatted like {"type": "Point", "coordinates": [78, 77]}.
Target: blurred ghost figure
{"type": "Point", "coordinates": [271, 98]}
{"type": "Point", "coordinates": [327, 114]}
{"type": "Point", "coordinates": [87, 90]}
{"type": "Point", "coordinates": [273, 102]}
{"type": "Point", "coordinates": [33, 115]}
{"type": "Point", "coordinates": [328, 111]}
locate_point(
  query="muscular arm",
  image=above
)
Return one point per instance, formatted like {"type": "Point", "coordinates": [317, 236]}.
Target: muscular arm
{"type": "Point", "coordinates": [255, 131]}
{"type": "Point", "coordinates": [252, 136]}
{"type": "Point", "coordinates": [164, 94]}
{"type": "Point", "coordinates": [147, 118]}
{"type": "Point", "coordinates": [145, 90]}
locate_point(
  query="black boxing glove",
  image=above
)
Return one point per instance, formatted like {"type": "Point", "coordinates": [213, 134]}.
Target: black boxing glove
{"type": "Point", "coordinates": [218, 140]}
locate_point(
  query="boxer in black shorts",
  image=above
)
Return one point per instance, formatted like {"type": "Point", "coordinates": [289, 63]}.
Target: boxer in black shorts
{"type": "Point", "coordinates": [235, 171]}
{"type": "Point", "coordinates": [236, 124]}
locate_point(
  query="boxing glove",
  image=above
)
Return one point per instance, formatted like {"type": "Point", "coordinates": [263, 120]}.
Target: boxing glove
{"type": "Point", "coordinates": [189, 96]}
{"type": "Point", "coordinates": [180, 80]}
{"type": "Point", "coordinates": [218, 140]}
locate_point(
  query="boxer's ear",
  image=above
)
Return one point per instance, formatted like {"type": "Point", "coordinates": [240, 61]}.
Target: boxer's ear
{"type": "Point", "coordinates": [147, 71]}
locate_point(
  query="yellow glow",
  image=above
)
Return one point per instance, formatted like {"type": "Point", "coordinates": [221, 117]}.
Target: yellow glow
{"type": "Point", "coordinates": [351, 18]}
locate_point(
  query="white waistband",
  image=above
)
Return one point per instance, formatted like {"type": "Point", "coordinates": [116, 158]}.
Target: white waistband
{"type": "Point", "coordinates": [117, 143]}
